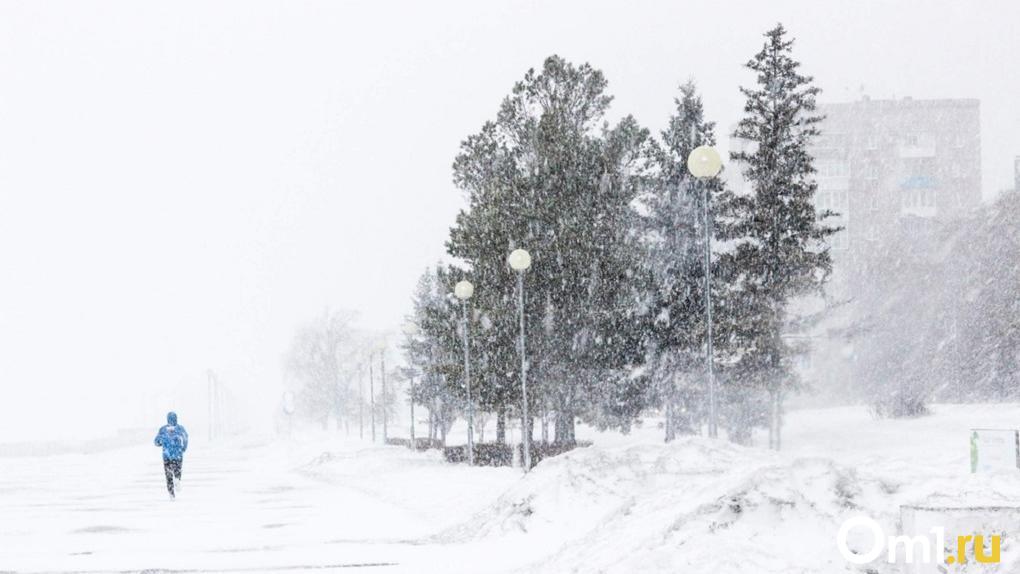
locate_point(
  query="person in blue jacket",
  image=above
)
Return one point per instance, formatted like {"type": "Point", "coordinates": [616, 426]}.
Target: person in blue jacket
{"type": "Point", "coordinates": [174, 440]}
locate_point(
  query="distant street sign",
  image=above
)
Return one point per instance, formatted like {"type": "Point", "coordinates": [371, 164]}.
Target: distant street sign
{"type": "Point", "coordinates": [994, 449]}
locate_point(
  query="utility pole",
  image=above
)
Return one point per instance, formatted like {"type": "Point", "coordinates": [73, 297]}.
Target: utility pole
{"type": "Point", "coordinates": [385, 404]}
{"type": "Point", "coordinates": [371, 395]}
{"type": "Point", "coordinates": [410, 394]}
{"type": "Point", "coordinates": [361, 402]}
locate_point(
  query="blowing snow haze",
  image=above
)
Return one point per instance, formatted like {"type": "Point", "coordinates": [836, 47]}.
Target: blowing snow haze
{"type": "Point", "coordinates": [182, 184]}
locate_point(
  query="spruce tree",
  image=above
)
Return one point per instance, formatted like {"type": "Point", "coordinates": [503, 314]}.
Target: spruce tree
{"type": "Point", "coordinates": [779, 250]}
{"type": "Point", "coordinates": [675, 268]}
{"type": "Point", "coordinates": [435, 351]}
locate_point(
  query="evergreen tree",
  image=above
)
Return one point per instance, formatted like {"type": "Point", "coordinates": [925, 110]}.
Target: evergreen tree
{"type": "Point", "coordinates": [546, 176]}
{"type": "Point", "coordinates": [675, 268]}
{"type": "Point", "coordinates": [434, 352]}
{"type": "Point", "coordinates": [779, 251]}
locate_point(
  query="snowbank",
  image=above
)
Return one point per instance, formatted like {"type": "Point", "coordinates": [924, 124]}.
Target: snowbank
{"type": "Point", "coordinates": [694, 503]}
{"type": "Point", "coordinates": [698, 505]}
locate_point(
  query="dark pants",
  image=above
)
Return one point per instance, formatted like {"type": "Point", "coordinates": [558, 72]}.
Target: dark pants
{"type": "Point", "coordinates": [172, 469]}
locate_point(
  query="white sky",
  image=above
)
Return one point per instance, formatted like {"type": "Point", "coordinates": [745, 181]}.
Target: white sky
{"type": "Point", "coordinates": [181, 183]}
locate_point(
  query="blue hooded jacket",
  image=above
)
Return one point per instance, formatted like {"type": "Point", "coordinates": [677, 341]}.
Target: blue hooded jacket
{"type": "Point", "coordinates": [173, 438]}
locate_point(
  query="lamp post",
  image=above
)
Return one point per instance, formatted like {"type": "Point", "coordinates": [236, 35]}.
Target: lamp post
{"type": "Point", "coordinates": [520, 261]}
{"type": "Point", "coordinates": [464, 290]}
{"type": "Point", "coordinates": [371, 396]}
{"type": "Point", "coordinates": [704, 163]}
{"type": "Point", "coordinates": [361, 401]}
{"type": "Point", "coordinates": [411, 330]}
{"type": "Point", "coordinates": [382, 378]}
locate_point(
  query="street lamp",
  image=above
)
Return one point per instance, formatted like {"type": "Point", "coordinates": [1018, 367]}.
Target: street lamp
{"type": "Point", "coordinates": [464, 290]}
{"type": "Point", "coordinates": [411, 330]}
{"type": "Point", "coordinates": [704, 163]}
{"type": "Point", "coordinates": [520, 261]}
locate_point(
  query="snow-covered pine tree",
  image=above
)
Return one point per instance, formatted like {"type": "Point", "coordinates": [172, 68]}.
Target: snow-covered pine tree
{"type": "Point", "coordinates": [779, 250]}
{"type": "Point", "coordinates": [675, 268]}
{"type": "Point", "coordinates": [986, 334]}
{"type": "Point", "coordinates": [435, 351]}
{"type": "Point", "coordinates": [548, 175]}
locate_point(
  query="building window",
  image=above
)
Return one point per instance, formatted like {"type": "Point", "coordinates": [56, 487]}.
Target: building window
{"type": "Point", "coordinates": [838, 241]}
{"type": "Point", "coordinates": [823, 201]}
{"type": "Point", "coordinates": [832, 168]}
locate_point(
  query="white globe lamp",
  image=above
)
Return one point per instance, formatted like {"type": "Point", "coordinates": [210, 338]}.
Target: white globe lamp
{"type": "Point", "coordinates": [704, 162]}
{"type": "Point", "coordinates": [519, 260]}
{"type": "Point", "coordinates": [464, 290]}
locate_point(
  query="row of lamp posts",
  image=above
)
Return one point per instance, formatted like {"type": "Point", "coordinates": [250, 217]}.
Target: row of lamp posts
{"type": "Point", "coordinates": [519, 260]}
{"type": "Point", "coordinates": [703, 163]}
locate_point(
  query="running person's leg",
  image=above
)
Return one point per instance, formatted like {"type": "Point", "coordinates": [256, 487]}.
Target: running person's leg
{"type": "Point", "coordinates": [177, 464]}
{"type": "Point", "coordinates": [168, 470]}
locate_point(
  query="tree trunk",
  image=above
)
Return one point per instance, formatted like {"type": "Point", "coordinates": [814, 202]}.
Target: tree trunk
{"type": "Point", "coordinates": [739, 430]}
{"type": "Point", "coordinates": [564, 426]}
{"type": "Point", "coordinates": [501, 426]}
{"type": "Point", "coordinates": [432, 424]}
{"type": "Point", "coordinates": [670, 420]}
{"type": "Point", "coordinates": [778, 417]}
{"type": "Point", "coordinates": [775, 390]}
{"type": "Point", "coordinates": [545, 426]}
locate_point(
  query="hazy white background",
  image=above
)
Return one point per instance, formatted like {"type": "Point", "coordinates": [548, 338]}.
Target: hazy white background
{"type": "Point", "coordinates": [181, 183]}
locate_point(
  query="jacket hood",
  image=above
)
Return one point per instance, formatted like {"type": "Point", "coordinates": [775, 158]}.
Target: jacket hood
{"type": "Point", "coordinates": [171, 418]}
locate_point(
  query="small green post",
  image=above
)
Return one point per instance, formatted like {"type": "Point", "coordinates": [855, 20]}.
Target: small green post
{"type": "Point", "coordinates": [973, 451]}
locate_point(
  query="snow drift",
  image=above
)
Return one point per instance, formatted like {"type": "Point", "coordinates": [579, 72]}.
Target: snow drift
{"type": "Point", "coordinates": [701, 505]}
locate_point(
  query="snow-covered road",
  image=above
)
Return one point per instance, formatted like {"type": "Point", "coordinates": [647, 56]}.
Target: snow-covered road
{"type": "Point", "coordinates": [243, 507]}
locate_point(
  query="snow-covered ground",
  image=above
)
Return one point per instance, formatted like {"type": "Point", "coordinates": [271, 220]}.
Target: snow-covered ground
{"type": "Point", "coordinates": [628, 504]}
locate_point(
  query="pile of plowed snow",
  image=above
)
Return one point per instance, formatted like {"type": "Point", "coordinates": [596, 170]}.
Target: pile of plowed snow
{"type": "Point", "coordinates": [698, 505]}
